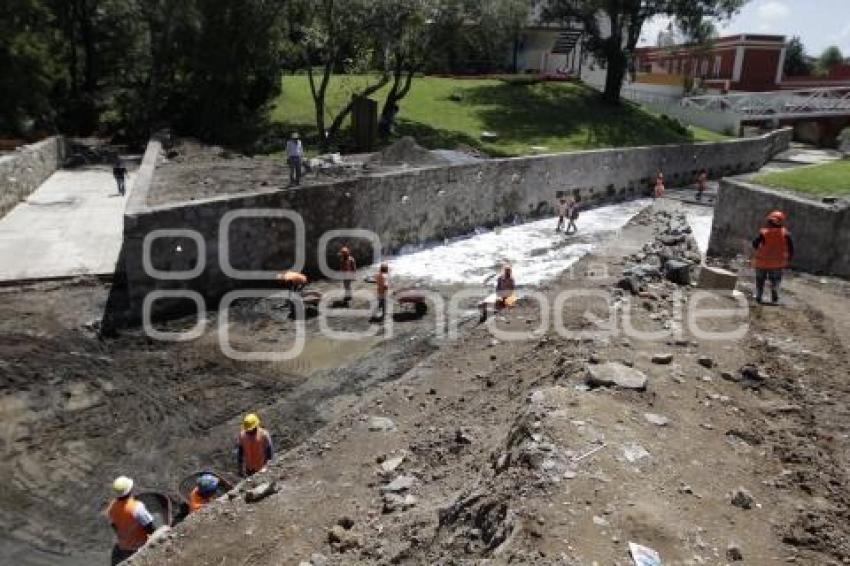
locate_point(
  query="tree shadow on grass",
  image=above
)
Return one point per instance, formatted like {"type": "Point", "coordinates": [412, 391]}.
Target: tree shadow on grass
{"type": "Point", "coordinates": [522, 113]}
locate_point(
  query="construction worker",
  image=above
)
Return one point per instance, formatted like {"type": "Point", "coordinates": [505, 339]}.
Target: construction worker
{"type": "Point", "coordinates": [563, 213]}
{"type": "Point", "coordinates": [382, 287]}
{"type": "Point", "coordinates": [130, 520]}
{"type": "Point", "coordinates": [702, 183]}
{"type": "Point", "coordinates": [774, 249]}
{"type": "Point", "coordinates": [253, 447]}
{"type": "Point", "coordinates": [205, 491]}
{"type": "Point", "coordinates": [292, 280]}
{"type": "Point", "coordinates": [348, 266]}
{"type": "Point", "coordinates": [659, 184]}
{"type": "Point", "coordinates": [572, 214]}
{"type": "Point", "coordinates": [505, 293]}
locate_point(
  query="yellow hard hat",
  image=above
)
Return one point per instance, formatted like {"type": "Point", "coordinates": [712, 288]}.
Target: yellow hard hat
{"type": "Point", "coordinates": [250, 422]}
{"type": "Point", "coordinates": [122, 486]}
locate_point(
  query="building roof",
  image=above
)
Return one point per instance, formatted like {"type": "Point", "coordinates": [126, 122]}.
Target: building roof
{"type": "Point", "coordinates": [727, 41]}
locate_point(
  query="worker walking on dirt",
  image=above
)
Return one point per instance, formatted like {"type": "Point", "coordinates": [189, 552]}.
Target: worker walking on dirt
{"type": "Point", "coordinates": [348, 267]}
{"type": "Point", "coordinates": [294, 155]}
{"type": "Point", "coordinates": [130, 520]}
{"type": "Point", "coordinates": [205, 491]}
{"type": "Point", "coordinates": [382, 288]}
{"type": "Point", "coordinates": [119, 171]}
{"type": "Point", "coordinates": [253, 447]}
{"type": "Point", "coordinates": [774, 249]}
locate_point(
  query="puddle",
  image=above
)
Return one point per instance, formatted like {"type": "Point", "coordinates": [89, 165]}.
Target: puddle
{"type": "Point", "coordinates": [536, 252]}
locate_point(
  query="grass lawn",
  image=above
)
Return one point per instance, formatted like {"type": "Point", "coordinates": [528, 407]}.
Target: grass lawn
{"type": "Point", "coordinates": [828, 179]}
{"type": "Point", "coordinates": [444, 112]}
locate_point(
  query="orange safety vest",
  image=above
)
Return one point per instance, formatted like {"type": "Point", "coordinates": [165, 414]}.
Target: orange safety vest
{"type": "Point", "coordinates": [773, 251]}
{"type": "Point", "coordinates": [131, 535]}
{"type": "Point", "coordinates": [295, 278]}
{"type": "Point", "coordinates": [254, 450]}
{"type": "Point", "coordinates": [381, 283]}
{"type": "Point", "coordinates": [196, 500]}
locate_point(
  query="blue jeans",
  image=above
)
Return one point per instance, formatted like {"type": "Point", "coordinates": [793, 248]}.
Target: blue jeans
{"type": "Point", "coordinates": [294, 169]}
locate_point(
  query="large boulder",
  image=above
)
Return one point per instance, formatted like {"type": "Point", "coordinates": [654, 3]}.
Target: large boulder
{"type": "Point", "coordinates": [717, 279]}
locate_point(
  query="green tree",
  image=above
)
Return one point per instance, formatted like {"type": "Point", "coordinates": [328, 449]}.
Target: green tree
{"type": "Point", "coordinates": [27, 68]}
{"type": "Point", "coordinates": [612, 27]}
{"type": "Point", "coordinates": [831, 57]}
{"type": "Point", "coordinates": [795, 59]}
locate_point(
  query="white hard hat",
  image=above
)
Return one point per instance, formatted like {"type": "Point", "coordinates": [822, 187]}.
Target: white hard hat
{"type": "Point", "coordinates": [122, 486]}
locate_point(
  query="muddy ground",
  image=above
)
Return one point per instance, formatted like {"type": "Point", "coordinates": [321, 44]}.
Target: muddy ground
{"type": "Point", "coordinates": [507, 455]}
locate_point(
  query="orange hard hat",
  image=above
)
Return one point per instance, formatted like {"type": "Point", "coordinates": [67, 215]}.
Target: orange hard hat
{"type": "Point", "coordinates": [777, 217]}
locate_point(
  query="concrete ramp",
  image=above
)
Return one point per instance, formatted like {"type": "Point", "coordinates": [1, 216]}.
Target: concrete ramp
{"type": "Point", "coordinates": [70, 226]}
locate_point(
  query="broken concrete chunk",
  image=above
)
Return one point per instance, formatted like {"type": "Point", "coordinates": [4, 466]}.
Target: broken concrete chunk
{"type": "Point", "coordinates": [634, 452]}
{"type": "Point", "coordinates": [678, 272]}
{"type": "Point", "coordinates": [657, 420]}
{"type": "Point", "coordinates": [717, 279]}
{"type": "Point", "coordinates": [615, 374]}
{"type": "Point", "coordinates": [401, 483]}
{"type": "Point", "coordinates": [381, 424]}
{"type": "Point", "coordinates": [390, 464]}
{"type": "Point", "coordinates": [260, 492]}
{"type": "Point", "coordinates": [342, 539]}
{"type": "Point", "coordinates": [662, 359]}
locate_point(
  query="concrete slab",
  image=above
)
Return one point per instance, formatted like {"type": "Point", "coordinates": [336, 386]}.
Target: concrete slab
{"type": "Point", "coordinates": [71, 225]}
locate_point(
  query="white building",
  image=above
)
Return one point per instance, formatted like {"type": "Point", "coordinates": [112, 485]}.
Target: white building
{"type": "Point", "coordinates": [547, 48]}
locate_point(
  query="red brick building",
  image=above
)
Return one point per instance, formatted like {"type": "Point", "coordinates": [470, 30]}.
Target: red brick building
{"type": "Point", "coordinates": [746, 62]}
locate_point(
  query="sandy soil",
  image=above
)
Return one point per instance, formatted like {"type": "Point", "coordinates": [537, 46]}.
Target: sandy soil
{"type": "Point", "coordinates": [496, 436]}
{"type": "Point", "coordinates": [498, 442]}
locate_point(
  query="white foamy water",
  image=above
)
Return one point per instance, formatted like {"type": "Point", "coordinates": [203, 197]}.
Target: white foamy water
{"type": "Point", "coordinates": [536, 252]}
{"type": "Point", "coordinates": [700, 221]}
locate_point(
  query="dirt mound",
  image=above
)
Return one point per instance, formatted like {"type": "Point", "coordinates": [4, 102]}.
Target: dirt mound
{"type": "Point", "coordinates": [406, 151]}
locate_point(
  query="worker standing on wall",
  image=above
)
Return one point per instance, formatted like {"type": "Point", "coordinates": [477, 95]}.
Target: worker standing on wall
{"type": "Point", "coordinates": [348, 266]}
{"type": "Point", "coordinates": [702, 183]}
{"type": "Point", "coordinates": [130, 520]}
{"type": "Point", "coordinates": [572, 214]}
{"type": "Point", "coordinates": [253, 446]}
{"type": "Point", "coordinates": [774, 249]}
{"type": "Point", "coordinates": [204, 492]}
{"type": "Point", "coordinates": [294, 155]}
{"type": "Point", "coordinates": [562, 213]}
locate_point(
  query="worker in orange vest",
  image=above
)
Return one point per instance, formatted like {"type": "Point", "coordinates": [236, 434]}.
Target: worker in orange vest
{"type": "Point", "coordinates": [659, 184]}
{"type": "Point", "coordinates": [130, 520]}
{"type": "Point", "coordinates": [204, 492]}
{"type": "Point", "coordinates": [292, 280]}
{"type": "Point", "coordinates": [382, 288]}
{"type": "Point", "coordinates": [348, 267]}
{"type": "Point", "coordinates": [774, 249]}
{"type": "Point", "coordinates": [253, 447]}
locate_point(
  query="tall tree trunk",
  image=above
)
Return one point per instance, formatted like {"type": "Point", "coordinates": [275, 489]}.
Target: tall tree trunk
{"type": "Point", "coordinates": [614, 75]}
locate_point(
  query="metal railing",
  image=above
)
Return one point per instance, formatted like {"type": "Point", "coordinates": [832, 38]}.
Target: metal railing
{"type": "Point", "coordinates": [777, 104]}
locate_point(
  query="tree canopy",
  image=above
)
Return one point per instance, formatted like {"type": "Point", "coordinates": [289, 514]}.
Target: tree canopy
{"type": "Point", "coordinates": [795, 59]}
{"type": "Point", "coordinates": [613, 27]}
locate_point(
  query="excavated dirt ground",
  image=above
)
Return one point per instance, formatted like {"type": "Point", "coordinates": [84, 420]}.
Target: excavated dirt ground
{"type": "Point", "coordinates": [496, 435]}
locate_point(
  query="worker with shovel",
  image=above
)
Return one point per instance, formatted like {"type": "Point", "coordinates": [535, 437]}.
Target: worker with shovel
{"type": "Point", "coordinates": [130, 520]}
{"type": "Point", "coordinates": [253, 446]}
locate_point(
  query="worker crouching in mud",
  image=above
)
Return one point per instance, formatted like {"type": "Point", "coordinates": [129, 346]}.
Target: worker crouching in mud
{"type": "Point", "coordinates": [774, 249]}
{"type": "Point", "coordinates": [503, 297]}
{"type": "Point", "coordinates": [253, 446]}
{"type": "Point", "coordinates": [204, 492]}
{"type": "Point", "coordinates": [294, 282]}
{"type": "Point", "coordinates": [130, 520]}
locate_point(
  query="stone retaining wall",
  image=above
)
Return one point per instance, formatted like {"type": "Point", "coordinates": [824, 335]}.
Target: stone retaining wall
{"type": "Point", "coordinates": [821, 231]}
{"type": "Point", "coordinates": [403, 208]}
{"type": "Point", "coordinates": [22, 171]}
